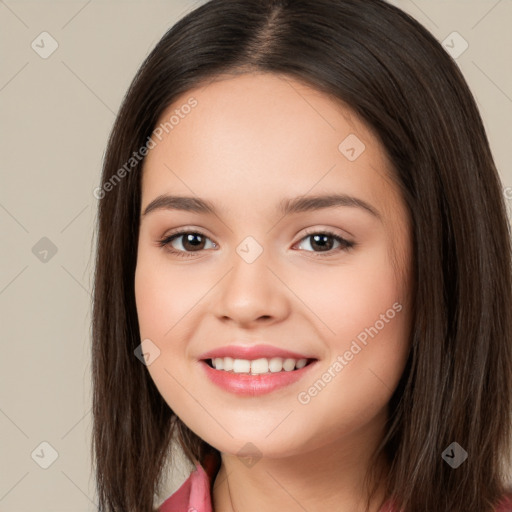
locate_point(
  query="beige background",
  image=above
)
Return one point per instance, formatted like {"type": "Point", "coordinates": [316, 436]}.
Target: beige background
{"type": "Point", "coordinates": [56, 115]}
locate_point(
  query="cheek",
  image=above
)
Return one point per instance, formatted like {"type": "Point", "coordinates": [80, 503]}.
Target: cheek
{"type": "Point", "coordinates": [162, 300]}
{"type": "Point", "coordinates": [152, 311]}
{"type": "Point", "coordinates": [163, 295]}
{"type": "Point", "coordinates": [353, 297]}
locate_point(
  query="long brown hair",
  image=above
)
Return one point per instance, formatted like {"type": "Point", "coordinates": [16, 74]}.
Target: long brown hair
{"type": "Point", "coordinates": [457, 384]}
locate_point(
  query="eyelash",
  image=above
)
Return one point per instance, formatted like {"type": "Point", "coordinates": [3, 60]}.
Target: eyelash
{"type": "Point", "coordinates": [345, 245]}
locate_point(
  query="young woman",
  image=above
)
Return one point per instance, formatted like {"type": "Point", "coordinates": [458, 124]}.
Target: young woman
{"type": "Point", "coordinates": [303, 272]}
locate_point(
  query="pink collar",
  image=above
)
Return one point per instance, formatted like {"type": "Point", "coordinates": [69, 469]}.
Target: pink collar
{"type": "Point", "coordinates": [195, 493]}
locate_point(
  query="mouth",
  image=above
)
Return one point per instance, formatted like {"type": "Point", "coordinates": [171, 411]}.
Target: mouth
{"type": "Point", "coordinates": [260, 366]}
{"type": "Point", "coordinates": [256, 370]}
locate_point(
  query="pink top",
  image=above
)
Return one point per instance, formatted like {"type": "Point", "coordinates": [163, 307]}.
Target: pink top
{"type": "Point", "coordinates": [195, 494]}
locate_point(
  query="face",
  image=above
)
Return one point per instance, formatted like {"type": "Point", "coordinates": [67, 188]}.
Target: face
{"type": "Point", "coordinates": [304, 309]}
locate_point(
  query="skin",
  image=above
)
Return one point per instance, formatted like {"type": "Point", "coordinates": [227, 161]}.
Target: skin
{"type": "Point", "coordinates": [252, 140]}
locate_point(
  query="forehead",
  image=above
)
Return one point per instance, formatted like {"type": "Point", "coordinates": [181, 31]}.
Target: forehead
{"type": "Point", "coordinates": [255, 138]}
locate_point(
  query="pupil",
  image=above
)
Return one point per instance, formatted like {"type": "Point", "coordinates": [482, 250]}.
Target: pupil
{"type": "Point", "coordinates": [316, 239]}
{"type": "Point", "coordinates": [189, 239]}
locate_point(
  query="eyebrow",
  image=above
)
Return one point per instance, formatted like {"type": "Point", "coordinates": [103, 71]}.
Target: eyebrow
{"type": "Point", "coordinates": [286, 206]}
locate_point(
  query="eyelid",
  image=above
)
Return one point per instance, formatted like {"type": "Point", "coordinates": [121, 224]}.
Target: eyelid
{"type": "Point", "coordinates": [326, 230]}
{"type": "Point", "coordinates": [184, 230]}
{"type": "Point", "coordinates": [308, 231]}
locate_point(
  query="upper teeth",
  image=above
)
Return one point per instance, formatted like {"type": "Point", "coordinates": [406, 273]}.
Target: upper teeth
{"type": "Point", "coordinates": [256, 366]}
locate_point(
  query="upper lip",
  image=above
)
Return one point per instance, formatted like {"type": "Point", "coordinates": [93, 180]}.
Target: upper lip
{"type": "Point", "coordinates": [252, 352]}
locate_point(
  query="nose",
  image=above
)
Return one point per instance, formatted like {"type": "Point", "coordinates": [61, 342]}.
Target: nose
{"type": "Point", "coordinates": [252, 293]}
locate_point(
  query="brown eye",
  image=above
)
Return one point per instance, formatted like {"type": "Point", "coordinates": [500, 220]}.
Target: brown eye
{"type": "Point", "coordinates": [192, 241]}
{"type": "Point", "coordinates": [323, 242]}
{"type": "Point", "coordinates": [184, 242]}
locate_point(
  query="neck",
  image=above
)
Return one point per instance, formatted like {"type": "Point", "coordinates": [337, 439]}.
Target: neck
{"type": "Point", "coordinates": [330, 477]}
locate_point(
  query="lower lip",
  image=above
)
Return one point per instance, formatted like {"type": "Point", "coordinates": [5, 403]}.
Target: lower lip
{"type": "Point", "coordinates": [254, 385]}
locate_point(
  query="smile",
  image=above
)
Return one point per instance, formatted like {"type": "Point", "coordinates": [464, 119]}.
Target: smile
{"type": "Point", "coordinates": [255, 370]}
{"type": "Point", "coordinates": [257, 366]}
